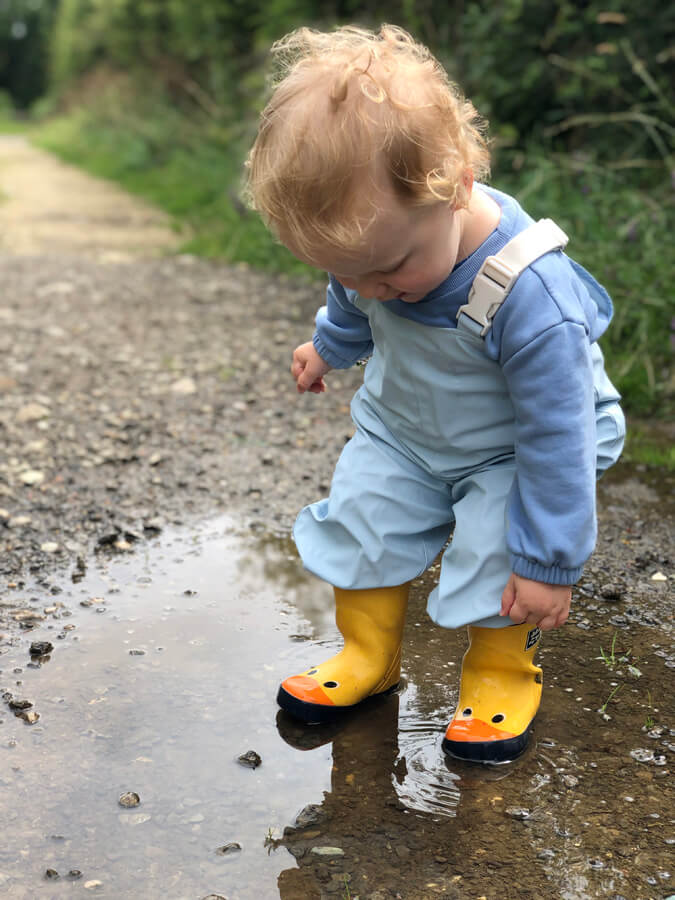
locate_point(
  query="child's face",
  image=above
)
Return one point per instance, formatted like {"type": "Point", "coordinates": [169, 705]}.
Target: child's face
{"type": "Point", "coordinates": [408, 251]}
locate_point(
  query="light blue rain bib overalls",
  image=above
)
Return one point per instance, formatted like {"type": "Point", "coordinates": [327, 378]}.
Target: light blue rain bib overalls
{"type": "Point", "coordinates": [433, 448]}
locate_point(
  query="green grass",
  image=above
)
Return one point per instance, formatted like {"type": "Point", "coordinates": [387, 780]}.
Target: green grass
{"type": "Point", "coordinates": [646, 446]}
{"type": "Point", "coordinates": [619, 220]}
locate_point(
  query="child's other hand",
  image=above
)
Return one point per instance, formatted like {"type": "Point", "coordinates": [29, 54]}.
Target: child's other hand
{"type": "Point", "coordinates": [308, 369]}
{"type": "Point", "coordinates": [537, 603]}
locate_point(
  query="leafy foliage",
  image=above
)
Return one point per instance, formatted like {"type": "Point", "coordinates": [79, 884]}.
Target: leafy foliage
{"type": "Point", "coordinates": [579, 94]}
{"type": "Point", "coordinates": [24, 33]}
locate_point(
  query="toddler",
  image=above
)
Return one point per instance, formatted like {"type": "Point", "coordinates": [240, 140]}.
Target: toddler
{"type": "Point", "coordinates": [485, 407]}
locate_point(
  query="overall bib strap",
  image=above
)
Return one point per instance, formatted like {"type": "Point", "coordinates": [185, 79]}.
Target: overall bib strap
{"type": "Point", "coordinates": [500, 272]}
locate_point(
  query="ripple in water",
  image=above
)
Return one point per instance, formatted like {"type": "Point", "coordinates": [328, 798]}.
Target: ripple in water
{"type": "Point", "coordinates": [421, 780]}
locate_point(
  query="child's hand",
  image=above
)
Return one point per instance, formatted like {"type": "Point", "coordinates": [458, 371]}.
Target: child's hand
{"type": "Point", "coordinates": [308, 369]}
{"type": "Point", "coordinates": [545, 605]}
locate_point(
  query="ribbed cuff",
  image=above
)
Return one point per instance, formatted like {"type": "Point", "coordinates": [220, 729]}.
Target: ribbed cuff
{"type": "Point", "coordinates": [334, 361]}
{"type": "Point", "coordinates": [548, 574]}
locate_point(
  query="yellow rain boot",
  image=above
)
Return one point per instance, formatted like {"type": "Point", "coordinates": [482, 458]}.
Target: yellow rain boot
{"type": "Point", "coordinates": [499, 694]}
{"type": "Point", "coordinates": [371, 623]}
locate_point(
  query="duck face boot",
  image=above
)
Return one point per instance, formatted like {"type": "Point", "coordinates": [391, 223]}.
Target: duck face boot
{"type": "Point", "coordinates": [371, 623]}
{"type": "Point", "coordinates": [499, 694]}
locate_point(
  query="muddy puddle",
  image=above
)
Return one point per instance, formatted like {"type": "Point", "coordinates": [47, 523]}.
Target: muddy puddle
{"type": "Point", "coordinates": [168, 673]}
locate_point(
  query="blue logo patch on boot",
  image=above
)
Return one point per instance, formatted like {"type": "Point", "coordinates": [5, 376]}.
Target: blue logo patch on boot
{"type": "Point", "coordinates": [532, 637]}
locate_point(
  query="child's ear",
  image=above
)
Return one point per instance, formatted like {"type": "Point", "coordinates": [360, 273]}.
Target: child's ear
{"type": "Point", "coordinates": [467, 180]}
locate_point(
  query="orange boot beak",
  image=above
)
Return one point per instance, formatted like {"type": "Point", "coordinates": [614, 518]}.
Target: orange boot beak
{"type": "Point", "coordinates": [500, 692]}
{"type": "Point", "coordinates": [371, 623]}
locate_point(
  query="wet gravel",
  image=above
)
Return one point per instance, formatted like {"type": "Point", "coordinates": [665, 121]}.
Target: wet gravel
{"type": "Point", "coordinates": [138, 394]}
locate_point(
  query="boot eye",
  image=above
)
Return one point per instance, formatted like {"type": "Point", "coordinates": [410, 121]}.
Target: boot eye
{"type": "Point", "coordinates": [467, 712]}
{"type": "Point", "coordinates": [331, 684]}
{"type": "Point", "coordinates": [499, 717]}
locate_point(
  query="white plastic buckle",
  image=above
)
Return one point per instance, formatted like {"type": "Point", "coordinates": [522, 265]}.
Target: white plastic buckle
{"type": "Point", "coordinates": [488, 290]}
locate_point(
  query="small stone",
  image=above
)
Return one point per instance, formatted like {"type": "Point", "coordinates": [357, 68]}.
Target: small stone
{"type": "Point", "coordinates": [232, 847]}
{"type": "Point", "coordinates": [214, 897]}
{"type": "Point", "coordinates": [49, 547]}
{"type": "Point", "coordinates": [250, 759]}
{"type": "Point", "coordinates": [611, 592]}
{"type": "Point", "coordinates": [518, 812]}
{"type": "Point", "coordinates": [129, 799]}
{"type": "Point", "coordinates": [659, 576]}
{"type": "Point", "coordinates": [122, 545]}
{"type": "Point", "coordinates": [31, 477]}
{"type": "Point", "coordinates": [327, 851]}
{"type": "Point", "coordinates": [51, 875]}
{"type": "Point", "coordinates": [570, 781]}
{"type": "Point", "coordinates": [74, 874]}
{"type": "Point", "coordinates": [136, 652]}
{"type": "Point", "coordinates": [311, 814]}
{"type": "Point", "coordinates": [27, 615]}
{"type": "Point", "coordinates": [642, 755]}
{"type": "Point", "coordinates": [20, 704]}
{"type": "Point", "coordinates": [29, 717]}
{"type": "Point", "coordinates": [657, 731]}
{"type": "Point", "coordinates": [41, 648]}
{"type": "Point", "coordinates": [93, 885]}
{"type": "Point", "coordinates": [184, 386]}
{"type": "Point", "coordinates": [32, 412]}
{"type": "Point", "coordinates": [19, 521]}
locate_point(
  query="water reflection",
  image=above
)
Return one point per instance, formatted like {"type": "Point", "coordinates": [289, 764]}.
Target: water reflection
{"type": "Point", "coordinates": [170, 673]}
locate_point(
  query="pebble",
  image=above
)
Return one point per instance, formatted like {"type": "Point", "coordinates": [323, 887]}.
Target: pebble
{"type": "Point", "coordinates": [610, 592]}
{"type": "Point", "coordinates": [642, 755]}
{"type": "Point", "coordinates": [32, 412]}
{"type": "Point", "coordinates": [250, 759]}
{"type": "Point", "coordinates": [20, 704]}
{"type": "Point", "coordinates": [41, 648]}
{"type": "Point", "coordinates": [31, 477]}
{"type": "Point", "coordinates": [26, 615]}
{"type": "Point", "coordinates": [570, 781]}
{"type": "Point", "coordinates": [232, 847]}
{"type": "Point", "coordinates": [19, 521]}
{"type": "Point", "coordinates": [311, 814]}
{"type": "Point", "coordinates": [518, 812]}
{"type": "Point", "coordinates": [184, 386]}
{"type": "Point", "coordinates": [129, 799]}
{"type": "Point", "coordinates": [327, 851]}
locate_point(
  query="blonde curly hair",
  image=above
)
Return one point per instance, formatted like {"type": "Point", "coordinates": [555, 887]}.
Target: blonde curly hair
{"type": "Point", "coordinates": [346, 107]}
